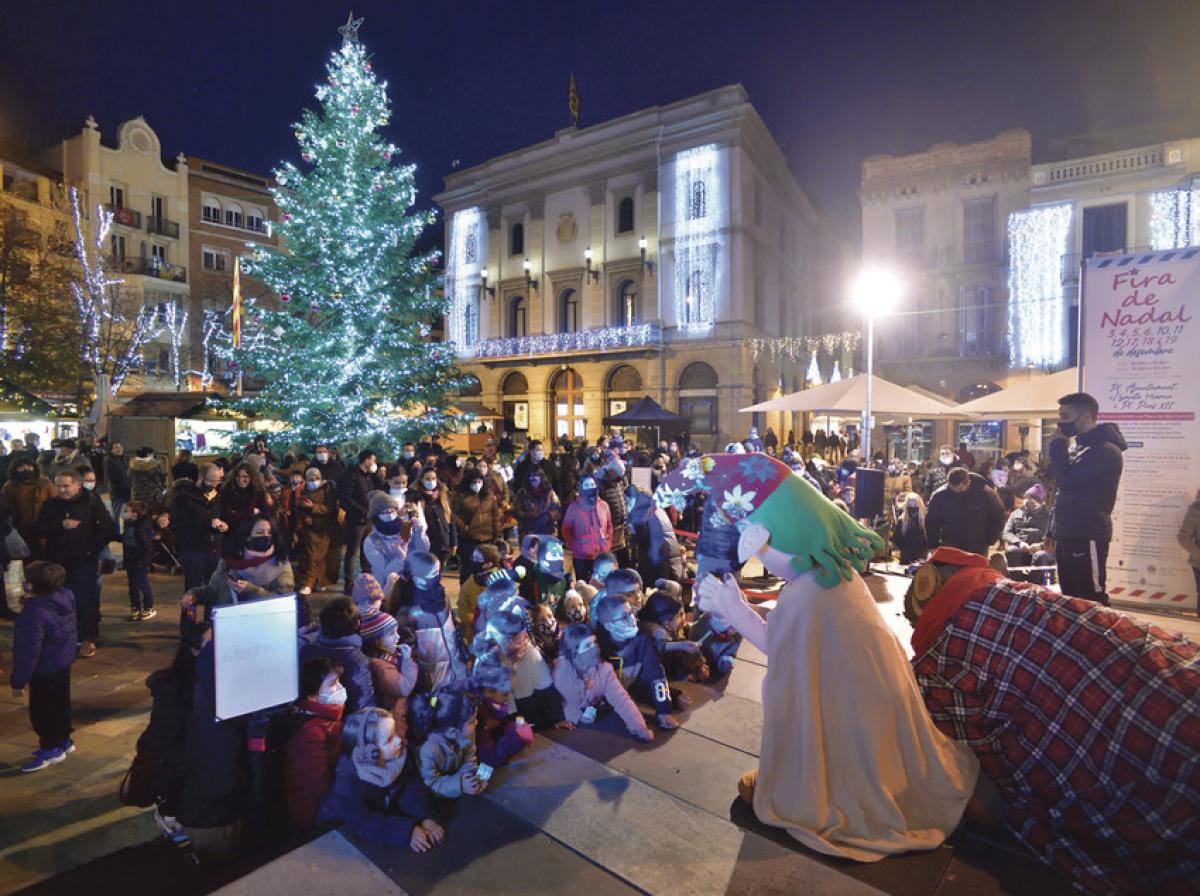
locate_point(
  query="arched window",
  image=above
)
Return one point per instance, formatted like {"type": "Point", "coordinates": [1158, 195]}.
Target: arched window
{"type": "Point", "coordinates": [517, 317]}
{"type": "Point", "coordinates": [696, 298]}
{"type": "Point", "coordinates": [514, 384]}
{"type": "Point", "coordinates": [698, 207]}
{"type": "Point", "coordinates": [212, 211]}
{"type": "Point", "coordinates": [626, 307]}
{"type": "Point", "coordinates": [516, 240]}
{"type": "Point", "coordinates": [255, 219]}
{"type": "Point", "coordinates": [514, 389]}
{"type": "Point", "coordinates": [566, 403]}
{"type": "Point", "coordinates": [698, 398]}
{"type": "Point", "coordinates": [625, 215]}
{"type": "Point", "coordinates": [568, 311]}
{"type": "Point", "coordinates": [624, 387]}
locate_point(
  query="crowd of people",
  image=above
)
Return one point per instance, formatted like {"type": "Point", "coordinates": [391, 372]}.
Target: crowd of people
{"type": "Point", "coordinates": [574, 600]}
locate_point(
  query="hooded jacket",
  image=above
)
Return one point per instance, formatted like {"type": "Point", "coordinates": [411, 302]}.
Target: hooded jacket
{"type": "Point", "coordinates": [44, 639]}
{"type": "Point", "coordinates": [347, 653]}
{"type": "Point", "coordinates": [587, 529]}
{"type": "Point", "coordinates": [311, 757]}
{"type": "Point", "coordinates": [1087, 477]}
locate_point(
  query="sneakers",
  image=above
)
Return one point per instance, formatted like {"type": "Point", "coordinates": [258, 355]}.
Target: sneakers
{"type": "Point", "coordinates": [306, 591]}
{"type": "Point", "coordinates": [149, 614]}
{"type": "Point", "coordinates": [67, 746]}
{"type": "Point", "coordinates": [135, 614]}
{"type": "Point", "coordinates": [87, 649]}
{"type": "Point", "coordinates": [42, 759]}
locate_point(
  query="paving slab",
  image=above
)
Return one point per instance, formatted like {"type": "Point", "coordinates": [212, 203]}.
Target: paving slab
{"type": "Point", "coordinates": [650, 839]}
{"type": "Point", "coordinates": [329, 865]}
{"type": "Point", "coordinates": [745, 681]}
{"type": "Point", "coordinates": [728, 719]}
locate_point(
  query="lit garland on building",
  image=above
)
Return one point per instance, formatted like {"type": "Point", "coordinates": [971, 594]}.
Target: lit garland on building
{"type": "Point", "coordinates": [598, 339]}
{"type": "Point", "coordinates": [467, 247]}
{"type": "Point", "coordinates": [796, 348]}
{"type": "Point", "coordinates": [1037, 241]}
{"type": "Point", "coordinates": [700, 203]}
{"type": "Point", "coordinates": [836, 376]}
{"type": "Point", "coordinates": [1175, 218]}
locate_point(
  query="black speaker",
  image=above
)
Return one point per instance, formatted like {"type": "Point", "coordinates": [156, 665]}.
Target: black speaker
{"type": "Point", "coordinates": [868, 493]}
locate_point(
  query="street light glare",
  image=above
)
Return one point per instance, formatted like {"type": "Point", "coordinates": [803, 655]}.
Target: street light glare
{"type": "Point", "coordinates": [877, 291]}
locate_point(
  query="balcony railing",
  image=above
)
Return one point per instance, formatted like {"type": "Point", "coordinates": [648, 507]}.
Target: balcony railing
{"type": "Point", "coordinates": [597, 339]}
{"type": "Point", "coordinates": [125, 216]}
{"type": "Point", "coordinates": [1072, 260]}
{"type": "Point", "coordinates": [162, 226]}
{"type": "Point", "coordinates": [149, 267]}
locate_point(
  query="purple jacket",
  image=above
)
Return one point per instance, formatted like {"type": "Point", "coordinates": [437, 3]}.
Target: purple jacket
{"type": "Point", "coordinates": [44, 639]}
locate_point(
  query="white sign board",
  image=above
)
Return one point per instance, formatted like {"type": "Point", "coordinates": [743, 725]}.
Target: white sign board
{"type": "Point", "coordinates": [640, 476]}
{"type": "Point", "coordinates": [1140, 357]}
{"type": "Point", "coordinates": [257, 655]}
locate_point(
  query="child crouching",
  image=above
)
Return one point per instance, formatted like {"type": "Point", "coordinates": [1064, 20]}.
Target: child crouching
{"type": "Point", "coordinates": [445, 721]}
{"type": "Point", "coordinates": [500, 734]}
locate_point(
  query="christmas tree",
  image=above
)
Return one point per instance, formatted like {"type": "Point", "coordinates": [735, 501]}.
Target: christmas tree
{"type": "Point", "coordinates": [347, 357]}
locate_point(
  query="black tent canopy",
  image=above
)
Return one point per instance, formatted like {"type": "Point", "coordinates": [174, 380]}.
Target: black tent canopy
{"type": "Point", "coordinates": [647, 412]}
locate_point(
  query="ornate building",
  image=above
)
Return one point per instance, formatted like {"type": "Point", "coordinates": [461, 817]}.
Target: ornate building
{"type": "Point", "coordinates": [659, 253]}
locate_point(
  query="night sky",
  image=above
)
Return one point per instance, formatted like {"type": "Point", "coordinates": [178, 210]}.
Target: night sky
{"type": "Point", "coordinates": [834, 81]}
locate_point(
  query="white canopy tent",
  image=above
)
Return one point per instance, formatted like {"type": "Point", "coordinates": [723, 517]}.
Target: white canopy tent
{"type": "Point", "coordinates": [849, 396]}
{"type": "Point", "coordinates": [1034, 398]}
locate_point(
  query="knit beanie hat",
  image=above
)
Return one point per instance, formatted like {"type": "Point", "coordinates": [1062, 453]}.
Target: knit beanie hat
{"type": "Point", "coordinates": [367, 592]}
{"type": "Point", "coordinates": [379, 502]}
{"type": "Point", "coordinates": [376, 625]}
{"type": "Point", "coordinates": [1035, 491]}
{"type": "Point", "coordinates": [757, 488]}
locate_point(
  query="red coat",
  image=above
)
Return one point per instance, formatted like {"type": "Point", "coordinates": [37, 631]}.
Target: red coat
{"type": "Point", "coordinates": [312, 754]}
{"type": "Point", "coordinates": [587, 529]}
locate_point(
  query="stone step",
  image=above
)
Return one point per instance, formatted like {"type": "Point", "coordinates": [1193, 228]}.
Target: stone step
{"type": "Point", "coordinates": [329, 865]}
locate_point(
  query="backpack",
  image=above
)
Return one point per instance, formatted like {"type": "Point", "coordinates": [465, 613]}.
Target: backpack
{"type": "Point", "coordinates": [269, 813]}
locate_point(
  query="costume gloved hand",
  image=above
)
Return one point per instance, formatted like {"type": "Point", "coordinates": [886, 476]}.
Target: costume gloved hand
{"type": "Point", "coordinates": [725, 599]}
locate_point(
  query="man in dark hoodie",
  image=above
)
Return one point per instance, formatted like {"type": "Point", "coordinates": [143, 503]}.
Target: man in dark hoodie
{"type": "Point", "coordinates": [1087, 476]}
{"type": "Point", "coordinates": [195, 514]}
{"type": "Point", "coordinates": [77, 526]}
{"type": "Point", "coordinates": [965, 513]}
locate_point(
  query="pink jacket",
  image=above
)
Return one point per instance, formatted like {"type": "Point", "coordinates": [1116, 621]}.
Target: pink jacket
{"type": "Point", "coordinates": [600, 684]}
{"type": "Point", "coordinates": [587, 529]}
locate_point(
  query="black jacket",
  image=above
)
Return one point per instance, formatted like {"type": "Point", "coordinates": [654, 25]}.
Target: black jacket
{"type": "Point", "coordinates": [192, 516]}
{"type": "Point", "coordinates": [116, 469]}
{"type": "Point", "coordinates": [1087, 477]}
{"type": "Point", "coordinates": [970, 521]}
{"type": "Point", "coordinates": [81, 545]}
{"type": "Point", "coordinates": [331, 470]}
{"type": "Point", "coordinates": [353, 486]}
{"type": "Point", "coordinates": [936, 478]}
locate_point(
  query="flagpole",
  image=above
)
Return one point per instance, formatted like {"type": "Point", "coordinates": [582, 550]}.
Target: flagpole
{"type": "Point", "coordinates": [237, 315]}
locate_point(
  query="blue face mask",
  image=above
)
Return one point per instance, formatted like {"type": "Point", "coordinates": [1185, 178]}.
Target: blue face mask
{"type": "Point", "coordinates": [387, 526]}
{"type": "Point", "coordinates": [312, 485]}
{"type": "Point", "coordinates": [622, 629]}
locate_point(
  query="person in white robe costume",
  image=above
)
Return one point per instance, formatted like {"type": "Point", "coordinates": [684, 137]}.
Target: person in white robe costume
{"type": "Point", "coordinates": [851, 764]}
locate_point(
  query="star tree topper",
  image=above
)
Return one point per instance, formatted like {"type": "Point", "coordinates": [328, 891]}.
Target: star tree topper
{"type": "Point", "coordinates": [349, 31]}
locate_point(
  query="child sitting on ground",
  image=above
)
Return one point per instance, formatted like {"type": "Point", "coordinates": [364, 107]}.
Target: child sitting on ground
{"type": "Point", "coordinates": [500, 735]}
{"type": "Point", "coordinates": [533, 691]}
{"type": "Point", "coordinates": [44, 648]}
{"type": "Point", "coordinates": [371, 796]}
{"type": "Point", "coordinates": [572, 608]}
{"type": "Point", "coordinates": [545, 632]}
{"type": "Point", "coordinates": [312, 752]}
{"type": "Point", "coordinates": [719, 642]}
{"type": "Point", "coordinates": [393, 669]}
{"type": "Point", "coordinates": [137, 544]}
{"type": "Point", "coordinates": [636, 660]}
{"type": "Point", "coordinates": [338, 640]}
{"type": "Point", "coordinates": [585, 682]}
{"type": "Point", "coordinates": [444, 723]}
{"type": "Point", "coordinates": [663, 619]}
{"type": "Point", "coordinates": [623, 583]}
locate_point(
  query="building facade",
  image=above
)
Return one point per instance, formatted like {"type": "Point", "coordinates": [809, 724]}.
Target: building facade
{"type": "Point", "coordinates": [230, 212]}
{"type": "Point", "coordinates": [655, 254]}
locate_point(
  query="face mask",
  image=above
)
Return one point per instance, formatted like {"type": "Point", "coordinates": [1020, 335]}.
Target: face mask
{"type": "Point", "coordinates": [408, 455]}
{"type": "Point", "coordinates": [1017, 468]}
{"type": "Point", "coordinates": [621, 629]}
{"type": "Point", "coordinates": [574, 613]}
{"type": "Point", "coordinates": [1031, 507]}
{"type": "Point", "coordinates": [372, 467]}
{"type": "Point", "coordinates": [23, 475]}
{"type": "Point", "coordinates": [535, 482]}
{"type": "Point", "coordinates": [1068, 429]}
{"type": "Point", "coordinates": [546, 629]}
{"type": "Point", "coordinates": [946, 458]}
{"type": "Point", "coordinates": [537, 456]}
{"type": "Point", "coordinates": [912, 510]}
{"type": "Point", "coordinates": [312, 485]}
{"type": "Point", "coordinates": [588, 658]}
{"type": "Point", "coordinates": [90, 486]}
{"type": "Point", "coordinates": [396, 492]}
{"type": "Point", "coordinates": [260, 544]}
{"type": "Point", "coordinates": [595, 458]}
{"type": "Point", "coordinates": [336, 697]}
{"type": "Point", "coordinates": [430, 485]}
{"type": "Point", "coordinates": [476, 486]}
{"type": "Point", "coordinates": [322, 457]}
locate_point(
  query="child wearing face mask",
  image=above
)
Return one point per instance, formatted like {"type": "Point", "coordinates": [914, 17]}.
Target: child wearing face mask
{"type": "Point", "coordinates": [500, 735]}
{"type": "Point", "coordinates": [662, 618]}
{"type": "Point", "coordinates": [439, 651]}
{"type": "Point", "coordinates": [485, 559]}
{"type": "Point", "coordinates": [719, 642]}
{"type": "Point", "coordinates": [371, 796]}
{"type": "Point", "coordinates": [636, 659]}
{"type": "Point", "coordinates": [311, 753]}
{"type": "Point", "coordinates": [585, 682]}
{"type": "Point", "coordinates": [394, 671]}
{"type": "Point", "coordinates": [397, 528]}
{"type": "Point", "coordinates": [443, 722]}
{"type": "Point", "coordinates": [434, 501]}
{"type": "Point", "coordinates": [573, 608]}
{"type": "Point", "coordinates": [509, 625]}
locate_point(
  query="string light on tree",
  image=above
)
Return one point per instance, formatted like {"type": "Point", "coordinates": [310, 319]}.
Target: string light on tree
{"type": "Point", "coordinates": [1037, 241]}
{"type": "Point", "coordinates": [343, 360]}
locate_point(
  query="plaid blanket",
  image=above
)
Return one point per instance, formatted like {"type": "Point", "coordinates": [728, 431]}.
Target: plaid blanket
{"type": "Point", "coordinates": [1089, 724]}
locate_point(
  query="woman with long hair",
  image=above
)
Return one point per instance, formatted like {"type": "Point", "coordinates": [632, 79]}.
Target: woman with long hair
{"type": "Point", "coordinates": [434, 499]}
{"type": "Point", "coordinates": [243, 496]}
{"type": "Point", "coordinates": [477, 516]}
{"type": "Point", "coordinates": [909, 534]}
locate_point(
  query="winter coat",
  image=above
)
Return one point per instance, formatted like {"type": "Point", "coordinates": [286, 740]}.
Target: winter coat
{"type": "Point", "coordinates": [909, 536]}
{"type": "Point", "coordinates": [81, 545]}
{"type": "Point", "coordinates": [44, 637]}
{"type": "Point", "coordinates": [1189, 532]}
{"type": "Point", "coordinates": [351, 803]}
{"type": "Point", "coordinates": [191, 518]}
{"type": "Point", "coordinates": [389, 553]}
{"type": "Point", "coordinates": [25, 499]}
{"type": "Point", "coordinates": [537, 513]}
{"type": "Point", "coordinates": [971, 521]}
{"type": "Point", "coordinates": [598, 685]}
{"type": "Point", "coordinates": [393, 680]}
{"type": "Point", "coordinates": [526, 466]}
{"type": "Point", "coordinates": [938, 475]}
{"type": "Point", "coordinates": [331, 470]}
{"type": "Point", "coordinates": [445, 762]}
{"type": "Point", "coordinates": [498, 737]}
{"type": "Point", "coordinates": [347, 653]}
{"type": "Point", "coordinates": [587, 529]}
{"type": "Point", "coordinates": [116, 470]}
{"type": "Point", "coordinates": [317, 527]}
{"type": "Point", "coordinates": [1087, 477]}
{"type": "Point", "coordinates": [353, 487]}
{"type": "Point", "coordinates": [439, 652]}
{"type": "Point", "coordinates": [894, 484]}
{"type": "Point", "coordinates": [310, 759]}
{"type": "Point", "coordinates": [268, 579]}
{"type": "Point", "coordinates": [240, 505]}
{"type": "Point", "coordinates": [439, 521]}
{"type": "Point", "coordinates": [214, 784]}
{"type": "Point", "coordinates": [1023, 526]}
{"type": "Point", "coordinates": [137, 543]}
{"type": "Point", "coordinates": [477, 516]}
{"type": "Point", "coordinates": [146, 480]}
{"type": "Point", "coordinates": [53, 465]}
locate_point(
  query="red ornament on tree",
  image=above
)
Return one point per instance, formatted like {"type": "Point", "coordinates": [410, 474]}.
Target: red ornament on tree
{"type": "Point", "coordinates": [287, 216]}
{"type": "Point", "coordinates": [285, 297]}
{"type": "Point", "coordinates": [354, 108]}
{"type": "Point", "coordinates": [314, 307]}
{"type": "Point", "coordinates": [307, 156]}
{"type": "Point", "coordinates": [387, 155]}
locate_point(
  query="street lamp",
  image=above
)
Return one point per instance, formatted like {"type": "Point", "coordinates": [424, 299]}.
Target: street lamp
{"type": "Point", "coordinates": [876, 292]}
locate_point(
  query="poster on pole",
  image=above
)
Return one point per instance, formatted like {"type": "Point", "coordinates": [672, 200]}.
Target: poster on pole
{"type": "Point", "coordinates": [1140, 359]}
{"type": "Point", "coordinates": [257, 655]}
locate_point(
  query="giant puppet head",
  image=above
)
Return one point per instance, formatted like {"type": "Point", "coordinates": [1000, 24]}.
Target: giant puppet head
{"type": "Point", "coordinates": [757, 506]}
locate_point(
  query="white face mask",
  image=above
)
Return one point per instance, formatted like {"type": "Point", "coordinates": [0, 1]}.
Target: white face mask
{"type": "Point", "coordinates": [945, 458]}
{"type": "Point", "coordinates": [476, 486]}
{"type": "Point", "coordinates": [396, 492]}
{"type": "Point", "coordinates": [322, 457]}
{"type": "Point", "coordinates": [313, 484]}
{"type": "Point", "coordinates": [430, 485]}
{"type": "Point", "coordinates": [537, 456]}
{"type": "Point", "coordinates": [336, 697]}
{"type": "Point", "coordinates": [90, 486]}
{"type": "Point", "coordinates": [372, 467]}
{"type": "Point", "coordinates": [388, 516]}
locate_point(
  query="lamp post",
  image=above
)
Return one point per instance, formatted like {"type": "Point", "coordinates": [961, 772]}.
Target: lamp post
{"type": "Point", "coordinates": [876, 292]}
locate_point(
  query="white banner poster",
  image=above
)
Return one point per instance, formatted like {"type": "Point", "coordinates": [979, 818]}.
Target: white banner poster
{"type": "Point", "coordinates": [1140, 357]}
{"type": "Point", "coordinates": [257, 655]}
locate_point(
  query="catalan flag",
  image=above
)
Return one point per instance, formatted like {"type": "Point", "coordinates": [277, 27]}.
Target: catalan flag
{"type": "Point", "coordinates": [573, 102]}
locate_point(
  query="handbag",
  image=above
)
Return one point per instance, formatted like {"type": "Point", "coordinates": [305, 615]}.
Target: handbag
{"type": "Point", "coordinates": [138, 786]}
{"type": "Point", "coordinates": [15, 546]}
